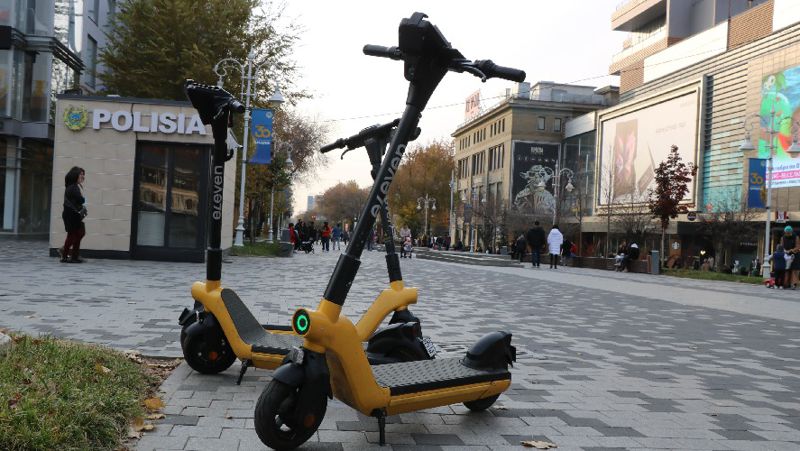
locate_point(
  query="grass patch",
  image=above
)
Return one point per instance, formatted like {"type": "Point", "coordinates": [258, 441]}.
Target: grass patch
{"type": "Point", "coordinates": [258, 249]}
{"type": "Point", "coordinates": [710, 275]}
{"type": "Point", "coordinates": [56, 394]}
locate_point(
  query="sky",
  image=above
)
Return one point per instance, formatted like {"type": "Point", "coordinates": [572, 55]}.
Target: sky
{"type": "Point", "coordinates": [569, 41]}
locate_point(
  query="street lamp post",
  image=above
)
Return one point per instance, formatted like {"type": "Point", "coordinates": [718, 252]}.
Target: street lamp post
{"type": "Point", "coordinates": [452, 184]}
{"type": "Point", "coordinates": [428, 202]}
{"type": "Point", "coordinates": [557, 187]}
{"type": "Point", "coordinates": [249, 80]}
{"type": "Point", "coordinates": [289, 164]}
{"type": "Point", "coordinates": [747, 145]}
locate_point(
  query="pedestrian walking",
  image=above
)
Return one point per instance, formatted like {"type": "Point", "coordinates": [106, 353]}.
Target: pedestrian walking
{"type": "Point", "coordinates": [345, 236]}
{"type": "Point", "coordinates": [554, 241]}
{"type": "Point", "coordinates": [325, 236]}
{"type": "Point", "coordinates": [536, 240]}
{"type": "Point", "coordinates": [73, 214]}
{"type": "Point", "coordinates": [519, 247]}
{"type": "Point", "coordinates": [791, 246]}
{"type": "Point", "coordinates": [336, 236]}
{"type": "Point", "coordinates": [566, 247]}
{"type": "Point", "coordinates": [779, 263]}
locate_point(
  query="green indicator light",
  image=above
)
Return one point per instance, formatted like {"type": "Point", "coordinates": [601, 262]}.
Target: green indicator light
{"type": "Point", "coordinates": [301, 323]}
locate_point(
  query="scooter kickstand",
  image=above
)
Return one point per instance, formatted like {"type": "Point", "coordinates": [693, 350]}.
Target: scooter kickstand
{"type": "Point", "coordinates": [245, 364]}
{"type": "Point", "coordinates": [380, 414]}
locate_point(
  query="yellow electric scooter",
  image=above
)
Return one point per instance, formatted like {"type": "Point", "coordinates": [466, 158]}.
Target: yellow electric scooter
{"type": "Point", "coordinates": [220, 328]}
{"type": "Point", "coordinates": [332, 361]}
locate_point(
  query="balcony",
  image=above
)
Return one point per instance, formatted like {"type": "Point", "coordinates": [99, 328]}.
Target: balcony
{"type": "Point", "coordinates": [632, 48]}
{"type": "Point", "coordinates": [633, 14]}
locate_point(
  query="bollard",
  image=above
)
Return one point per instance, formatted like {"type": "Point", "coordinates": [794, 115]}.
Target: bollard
{"type": "Point", "coordinates": [655, 262]}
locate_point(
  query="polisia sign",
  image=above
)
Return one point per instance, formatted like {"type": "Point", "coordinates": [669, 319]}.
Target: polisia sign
{"type": "Point", "coordinates": [76, 118]}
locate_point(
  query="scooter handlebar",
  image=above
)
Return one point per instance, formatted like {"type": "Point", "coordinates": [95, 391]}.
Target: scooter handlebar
{"type": "Point", "coordinates": [338, 144]}
{"type": "Point", "coordinates": [383, 52]}
{"type": "Point", "coordinates": [492, 70]}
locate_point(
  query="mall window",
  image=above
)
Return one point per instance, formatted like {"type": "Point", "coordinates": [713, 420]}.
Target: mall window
{"type": "Point", "coordinates": [35, 100]}
{"type": "Point", "coordinates": [557, 124]}
{"type": "Point", "coordinates": [540, 123]}
{"type": "Point", "coordinates": [90, 59]}
{"type": "Point", "coordinates": [94, 10]}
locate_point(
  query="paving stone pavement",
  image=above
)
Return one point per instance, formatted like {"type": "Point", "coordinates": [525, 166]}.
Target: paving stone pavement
{"type": "Point", "coordinates": [605, 360]}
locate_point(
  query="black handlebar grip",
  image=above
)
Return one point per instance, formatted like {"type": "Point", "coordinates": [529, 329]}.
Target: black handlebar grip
{"type": "Point", "coordinates": [384, 52]}
{"type": "Point", "coordinates": [339, 143]}
{"type": "Point", "coordinates": [492, 70]}
{"type": "Point", "coordinates": [236, 106]}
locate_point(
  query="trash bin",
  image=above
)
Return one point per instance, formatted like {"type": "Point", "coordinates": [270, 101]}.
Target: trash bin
{"type": "Point", "coordinates": [654, 262]}
{"type": "Point", "coordinates": [285, 235]}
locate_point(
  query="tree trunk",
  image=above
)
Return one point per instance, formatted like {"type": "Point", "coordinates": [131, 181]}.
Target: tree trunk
{"type": "Point", "coordinates": [661, 255]}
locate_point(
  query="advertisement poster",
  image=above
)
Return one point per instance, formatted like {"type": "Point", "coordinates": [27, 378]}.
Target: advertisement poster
{"type": "Point", "coordinates": [634, 144]}
{"type": "Point", "coordinates": [533, 167]}
{"type": "Point", "coordinates": [780, 114]}
{"type": "Point", "coordinates": [261, 126]}
{"type": "Point", "coordinates": [756, 186]}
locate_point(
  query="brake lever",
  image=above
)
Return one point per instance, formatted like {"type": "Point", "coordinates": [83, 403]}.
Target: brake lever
{"type": "Point", "coordinates": [465, 65]}
{"type": "Point", "coordinates": [346, 150]}
{"type": "Point", "coordinates": [475, 71]}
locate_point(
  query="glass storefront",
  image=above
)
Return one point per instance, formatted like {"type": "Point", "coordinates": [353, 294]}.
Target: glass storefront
{"type": "Point", "coordinates": [169, 198]}
{"type": "Point", "coordinates": [36, 178]}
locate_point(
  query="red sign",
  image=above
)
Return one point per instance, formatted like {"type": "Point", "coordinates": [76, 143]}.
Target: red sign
{"type": "Point", "coordinates": [472, 107]}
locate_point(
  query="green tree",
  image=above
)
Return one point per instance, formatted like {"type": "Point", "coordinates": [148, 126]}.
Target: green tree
{"type": "Point", "coordinates": [342, 202]}
{"type": "Point", "coordinates": [424, 170]}
{"type": "Point", "coordinates": [672, 185]}
{"type": "Point", "coordinates": [154, 45]}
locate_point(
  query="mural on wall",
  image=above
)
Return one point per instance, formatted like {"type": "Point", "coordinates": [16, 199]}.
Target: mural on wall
{"type": "Point", "coordinates": [634, 143]}
{"type": "Point", "coordinates": [532, 183]}
{"type": "Point", "coordinates": [780, 113]}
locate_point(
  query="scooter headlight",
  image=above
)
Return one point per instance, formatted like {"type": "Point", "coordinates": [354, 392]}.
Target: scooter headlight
{"type": "Point", "coordinates": [301, 322]}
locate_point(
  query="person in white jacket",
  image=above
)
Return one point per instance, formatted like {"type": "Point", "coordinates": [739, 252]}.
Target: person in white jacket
{"type": "Point", "coordinates": [554, 241]}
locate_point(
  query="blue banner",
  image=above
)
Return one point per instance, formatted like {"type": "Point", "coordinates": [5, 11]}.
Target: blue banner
{"type": "Point", "coordinates": [756, 183]}
{"type": "Point", "coordinates": [261, 129]}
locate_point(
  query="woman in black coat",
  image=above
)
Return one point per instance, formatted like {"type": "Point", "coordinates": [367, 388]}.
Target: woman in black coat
{"type": "Point", "coordinates": [73, 215]}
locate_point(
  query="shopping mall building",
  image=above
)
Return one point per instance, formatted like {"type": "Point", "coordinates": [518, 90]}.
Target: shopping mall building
{"type": "Point", "coordinates": [701, 75]}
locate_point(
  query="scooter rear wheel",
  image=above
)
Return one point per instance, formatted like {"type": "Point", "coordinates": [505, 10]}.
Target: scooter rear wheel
{"type": "Point", "coordinates": [205, 357]}
{"type": "Point", "coordinates": [479, 405]}
{"type": "Point", "coordinates": [274, 408]}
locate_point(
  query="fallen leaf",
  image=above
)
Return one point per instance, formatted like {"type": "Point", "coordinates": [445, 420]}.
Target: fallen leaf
{"type": "Point", "coordinates": [538, 444]}
{"type": "Point", "coordinates": [228, 416]}
{"type": "Point", "coordinates": [148, 427]}
{"type": "Point", "coordinates": [100, 369]}
{"type": "Point", "coordinates": [133, 434]}
{"type": "Point", "coordinates": [500, 407]}
{"type": "Point", "coordinates": [138, 424]}
{"type": "Point", "coordinates": [155, 416]}
{"type": "Point", "coordinates": [153, 404]}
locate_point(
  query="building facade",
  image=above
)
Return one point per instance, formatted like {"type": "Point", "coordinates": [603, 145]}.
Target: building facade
{"type": "Point", "coordinates": [46, 47]}
{"type": "Point", "coordinates": [710, 74]}
{"type": "Point", "coordinates": [147, 178]}
{"type": "Point", "coordinates": [510, 157]}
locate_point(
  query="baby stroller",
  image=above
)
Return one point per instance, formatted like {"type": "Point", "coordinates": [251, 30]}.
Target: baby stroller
{"type": "Point", "coordinates": [307, 246]}
{"type": "Point", "coordinates": [407, 248]}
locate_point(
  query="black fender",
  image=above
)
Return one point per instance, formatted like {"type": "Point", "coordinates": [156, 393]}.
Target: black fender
{"type": "Point", "coordinates": [205, 325]}
{"type": "Point", "coordinates": [492, 351]}
{"type": "Point", "coordinates": [398, 335]}
{"type": "Point", "coordinates": [404, 316]}
{"type": "Point", "coordinates": [190, 316]}
{"type": "Point", "coordinates": [308, 371]}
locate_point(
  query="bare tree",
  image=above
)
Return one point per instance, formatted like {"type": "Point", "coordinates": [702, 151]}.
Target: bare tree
{"type": "Point", "coordinates": [633, 219]}
{"type": "Point", "coordinates": [490, 215]}
{"type": "Point", "coordinates": [607, 197]}
{"type": "Point", "coordinates": [730, 222]}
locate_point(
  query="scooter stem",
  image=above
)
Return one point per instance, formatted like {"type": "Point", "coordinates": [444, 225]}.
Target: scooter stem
{"type": "Point", "coordinates": [347, 266]}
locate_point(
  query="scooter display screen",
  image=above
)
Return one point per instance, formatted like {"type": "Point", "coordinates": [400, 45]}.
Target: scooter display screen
{"type": "Point", "coordinates": [301, 322]}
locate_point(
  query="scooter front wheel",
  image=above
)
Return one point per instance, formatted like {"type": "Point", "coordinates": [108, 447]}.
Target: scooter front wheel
{"type": "Point", "coordinates": [277, 423]}
{"type": "Point", "coordinates": [205, 357]}
{"type": "Point", "coordinates": [479, 405]}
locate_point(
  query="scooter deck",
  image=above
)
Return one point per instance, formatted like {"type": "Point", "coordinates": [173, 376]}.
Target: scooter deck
{"type": "Point", "coordinates": [413, 377]}
{"type": "Point", "coordinates": [252, 332]}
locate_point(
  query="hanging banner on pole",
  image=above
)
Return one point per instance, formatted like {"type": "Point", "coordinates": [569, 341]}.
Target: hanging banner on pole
{"type": "Point", "coordinates": [756, 186]}
{"type": "Point", "coordinates": [261, 129]}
